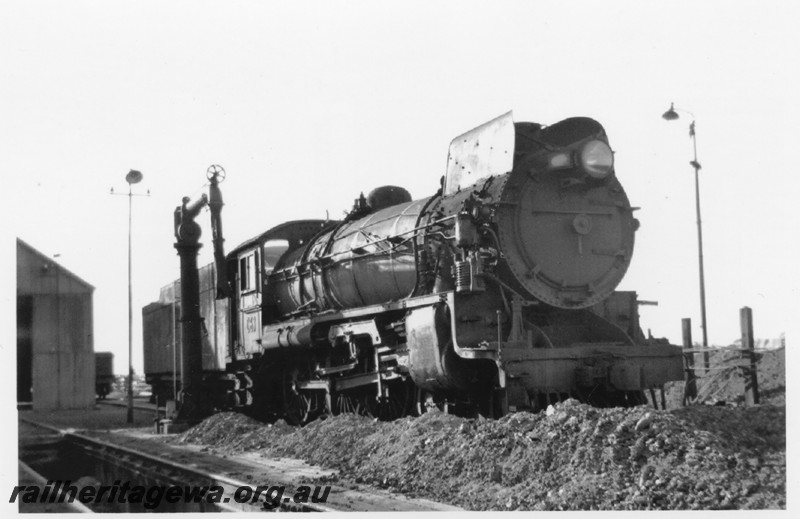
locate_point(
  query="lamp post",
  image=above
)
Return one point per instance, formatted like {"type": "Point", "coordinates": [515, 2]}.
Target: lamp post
{"type": "Point", "coordinates": [671, 115]}
{"type": "Point", "coordinates": [133, 177]}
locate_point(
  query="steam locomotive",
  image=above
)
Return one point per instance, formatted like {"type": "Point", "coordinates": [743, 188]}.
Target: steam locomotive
{"type": "Point", "coordinates": [493, 295]}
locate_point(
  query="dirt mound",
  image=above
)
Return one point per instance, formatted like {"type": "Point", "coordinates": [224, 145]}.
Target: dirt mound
{"type": "Point", "coordinates": [221, 429]}
{"type": "Point", "coordinates": [573, 457]}
{"type": "Point", "coordinates": [724, 383]}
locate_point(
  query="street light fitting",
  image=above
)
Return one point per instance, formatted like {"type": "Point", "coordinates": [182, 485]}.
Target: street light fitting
{"type": "Point", "coordinates": [134, 177]}
{"type": "Point", "coordinates": [671, 114]}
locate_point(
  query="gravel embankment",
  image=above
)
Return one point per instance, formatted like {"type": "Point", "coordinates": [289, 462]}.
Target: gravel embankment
{"type": "Point", "coordinates": [573, 457]}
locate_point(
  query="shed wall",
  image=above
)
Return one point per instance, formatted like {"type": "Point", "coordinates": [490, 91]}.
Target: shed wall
{"type": "Point", "coordinates": [60, 332]}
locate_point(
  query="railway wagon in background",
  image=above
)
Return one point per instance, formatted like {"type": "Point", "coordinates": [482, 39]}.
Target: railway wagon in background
{"type": "Point", "coordinates": [104, 373]}
{"type": "Point", "coordinates": [162, 336]}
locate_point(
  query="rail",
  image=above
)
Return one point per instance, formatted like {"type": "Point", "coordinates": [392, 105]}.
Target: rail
{"type": "Point", "coordinates": [26, 472]}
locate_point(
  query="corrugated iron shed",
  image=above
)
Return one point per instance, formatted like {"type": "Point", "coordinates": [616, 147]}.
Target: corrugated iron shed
{"type": "Point", "coordinates": [55, 345]}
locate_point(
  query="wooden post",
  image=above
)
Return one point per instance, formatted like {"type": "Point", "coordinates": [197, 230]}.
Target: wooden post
{"type": "Point", "coordinates": [690, 388]}
{"type": "Point", "coordinates": [751, 396]}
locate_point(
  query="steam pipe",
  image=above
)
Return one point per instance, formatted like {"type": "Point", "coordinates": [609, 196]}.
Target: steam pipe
{"type": "Point", "coordinates": [215, 205]}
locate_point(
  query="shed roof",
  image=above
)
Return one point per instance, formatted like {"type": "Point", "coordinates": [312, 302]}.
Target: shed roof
{"type": "Point", "coordinates": [23, 247]}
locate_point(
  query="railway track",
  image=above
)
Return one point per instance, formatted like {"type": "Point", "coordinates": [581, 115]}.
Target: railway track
{"type": "Point", "coordinates": [142, 406]}
{"type": "Point", "coordinates": [147, 459]}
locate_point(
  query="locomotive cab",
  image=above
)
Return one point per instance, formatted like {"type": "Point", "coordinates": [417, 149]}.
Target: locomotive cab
{"type": "Point", "coordinates": [250, 267]}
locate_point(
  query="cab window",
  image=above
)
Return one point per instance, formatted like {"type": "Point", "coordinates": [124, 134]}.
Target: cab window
{"type": "Point", "coordinates": [248, 272]}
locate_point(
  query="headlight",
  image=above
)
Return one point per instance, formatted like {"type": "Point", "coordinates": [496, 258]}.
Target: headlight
{"type": "Point", "coordinates": [597, 159]}
{"type": "Point", "coordinates": [561, 160]}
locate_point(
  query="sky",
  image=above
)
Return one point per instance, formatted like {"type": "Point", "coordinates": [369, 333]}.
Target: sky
{"type": "Point", "coordinates": [307, 104]}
